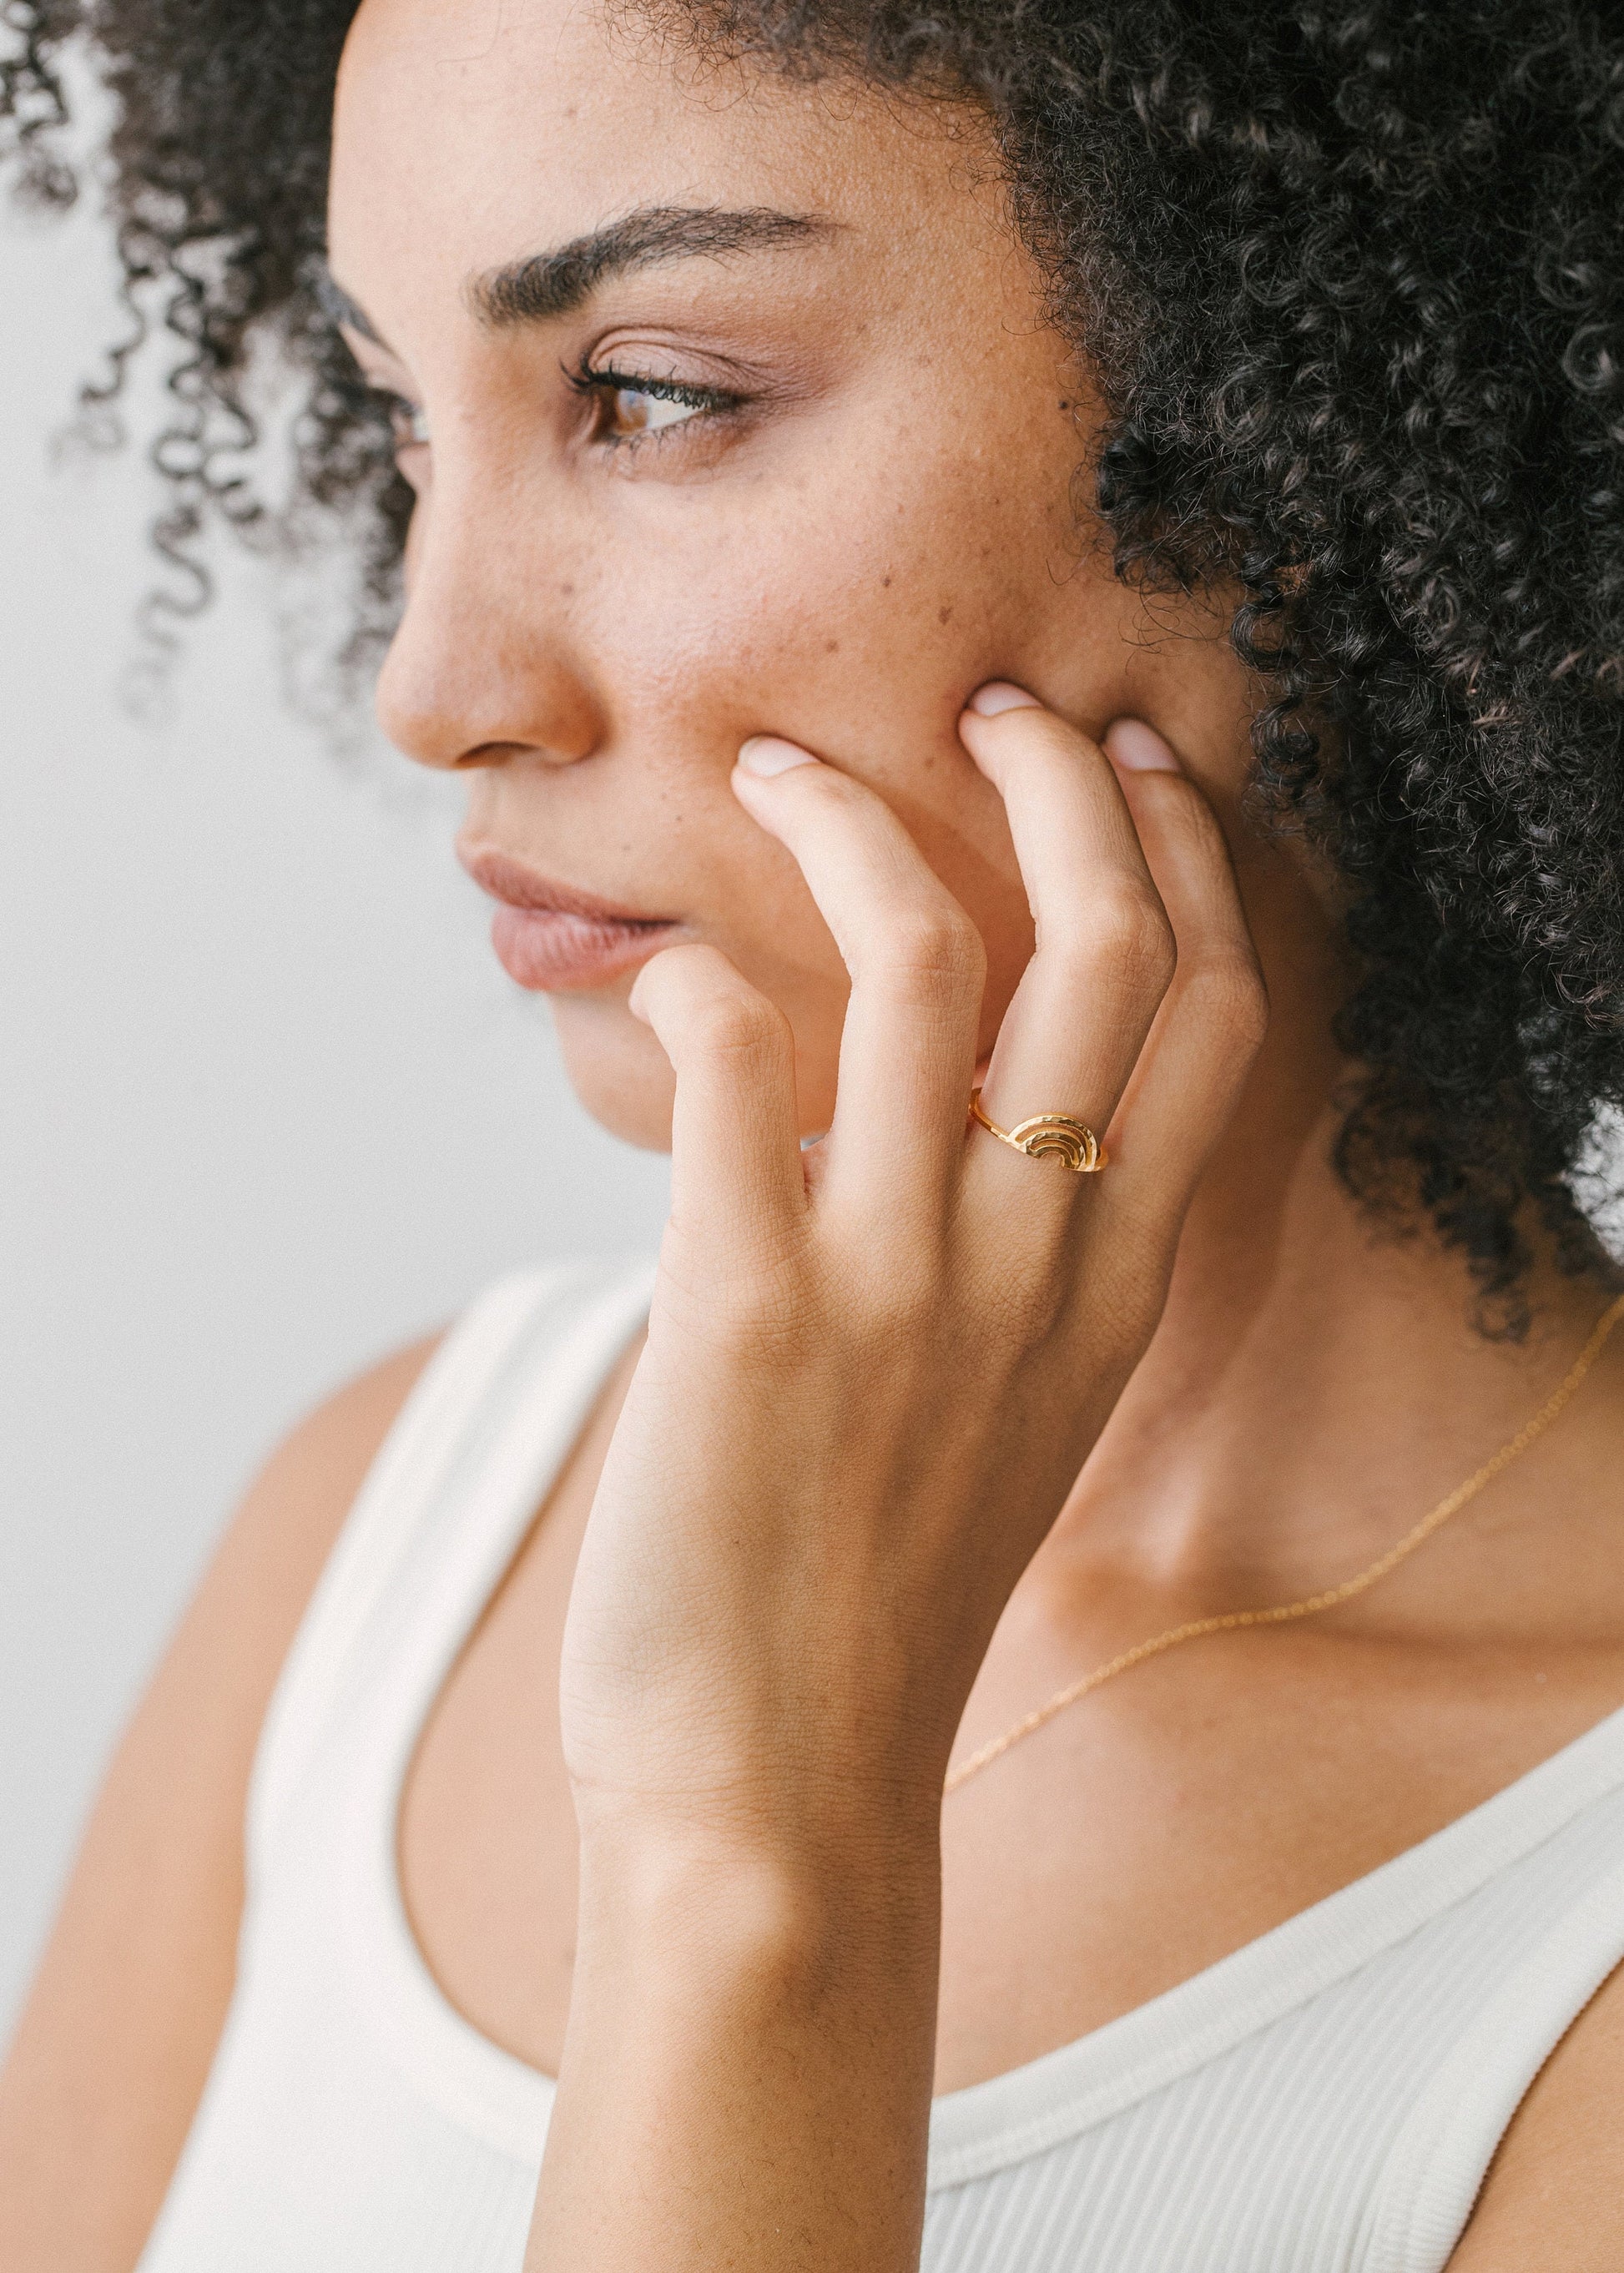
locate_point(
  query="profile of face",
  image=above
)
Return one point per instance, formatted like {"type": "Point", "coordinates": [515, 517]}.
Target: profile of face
{"type": "Point", "coordinates": [731, 408]}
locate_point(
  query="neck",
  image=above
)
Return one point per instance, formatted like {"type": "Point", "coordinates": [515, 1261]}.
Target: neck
{"type": "Point", "coordinates": [1316, 1386]}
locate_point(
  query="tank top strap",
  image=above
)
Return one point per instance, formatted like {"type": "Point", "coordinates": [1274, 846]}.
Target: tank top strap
{"type": "Point", "coordinates": [446, 1501]}
{"type": "Point", "coordinates": [1436, 2169]}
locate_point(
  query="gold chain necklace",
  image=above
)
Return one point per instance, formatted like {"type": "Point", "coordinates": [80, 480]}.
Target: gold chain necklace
{"type": "Point", "coordinates": [1229, 1620]}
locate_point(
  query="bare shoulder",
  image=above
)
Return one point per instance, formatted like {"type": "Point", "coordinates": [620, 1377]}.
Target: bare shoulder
{"type": "Point", "coordinates": [1555, 2194]}
{"type": "Point", "coordinates": [119, 2032]}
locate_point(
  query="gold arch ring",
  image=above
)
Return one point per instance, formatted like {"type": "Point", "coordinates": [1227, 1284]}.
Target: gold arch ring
{"type": "Point", "coordinates": [1055, 1135]}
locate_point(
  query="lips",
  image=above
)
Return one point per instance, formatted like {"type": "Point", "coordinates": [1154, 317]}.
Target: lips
{"type": "Point", "coordinates": [555, 940]}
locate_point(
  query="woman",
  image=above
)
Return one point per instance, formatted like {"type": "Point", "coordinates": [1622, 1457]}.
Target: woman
{"type": "Point", "coordinates": [883, 491]}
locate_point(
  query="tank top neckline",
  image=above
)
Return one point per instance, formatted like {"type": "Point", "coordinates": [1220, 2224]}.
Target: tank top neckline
{"type": "Point", "coordinates": [980, 2128]}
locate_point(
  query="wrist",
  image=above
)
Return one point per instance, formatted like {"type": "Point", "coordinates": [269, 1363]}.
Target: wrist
{"type": "Point", "coordinates": [739, 2011]}
{"type": "Point", "coordinates": [871, 1804]}
{"type": "Point", "coordinates": [680, 1896]}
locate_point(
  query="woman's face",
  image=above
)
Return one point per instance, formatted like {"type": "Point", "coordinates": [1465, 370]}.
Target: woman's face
{"type": "Point", "coordinates": [838, 501]}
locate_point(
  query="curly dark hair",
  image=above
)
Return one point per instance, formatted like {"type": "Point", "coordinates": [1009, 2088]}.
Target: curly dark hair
{"type": "Point", "coordinates": [1350, 278]}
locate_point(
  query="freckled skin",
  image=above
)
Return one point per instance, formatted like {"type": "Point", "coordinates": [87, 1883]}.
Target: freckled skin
{"type": "Point", "coordinates": [595, 630]}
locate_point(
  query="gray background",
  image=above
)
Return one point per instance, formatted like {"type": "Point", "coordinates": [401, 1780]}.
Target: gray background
{"type": "Point", "coordinates": [268, 1105]}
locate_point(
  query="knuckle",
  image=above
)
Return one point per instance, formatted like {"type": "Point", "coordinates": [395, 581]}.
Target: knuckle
{"type": "Point", "coordinates": [758, 1311]}
{"type": "Point", "coordinates": [936, 952]}
{"type": "Point", "coordinates": [1127, 935]}
{"type": "Point", "coordinates": [731, 1027]}
{"type": "Point", "coordinates": [1029, 1303]}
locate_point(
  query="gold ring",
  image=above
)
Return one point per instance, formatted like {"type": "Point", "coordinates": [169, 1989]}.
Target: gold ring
{"type": "Point", "coordinates": [1072, 1143]}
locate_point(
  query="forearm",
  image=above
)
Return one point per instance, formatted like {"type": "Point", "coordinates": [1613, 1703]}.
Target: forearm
{"type": "Point", "coordinates": [746, 2081]}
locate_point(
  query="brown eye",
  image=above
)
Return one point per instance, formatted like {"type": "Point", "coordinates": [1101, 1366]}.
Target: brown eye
{"type": "Point", "coordinates": [632, 411]}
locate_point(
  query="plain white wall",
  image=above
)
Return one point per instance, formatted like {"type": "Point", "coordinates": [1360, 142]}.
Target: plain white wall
{"type": "Point", "coordinates": [268, 1104]}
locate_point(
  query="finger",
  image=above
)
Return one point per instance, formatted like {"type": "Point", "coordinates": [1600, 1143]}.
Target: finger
{"type": "Point", "coordinates": [736, 1183]}
{"type": "Point", "coordinates": [1201, 1049]}
{"type": "Point", "coordinates": [917, 968]}
{"type": "Point", "coordinates": [1105, 952]}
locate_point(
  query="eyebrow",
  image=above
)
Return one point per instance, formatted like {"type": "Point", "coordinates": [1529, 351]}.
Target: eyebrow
{"type": "Point", "coordinates": [551, 284]}
{"type": "Point", "coordinates": [547, 285]}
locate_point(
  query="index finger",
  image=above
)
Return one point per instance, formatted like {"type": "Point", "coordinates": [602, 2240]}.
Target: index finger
{"type": "Point", "coordinates": [917, 969]}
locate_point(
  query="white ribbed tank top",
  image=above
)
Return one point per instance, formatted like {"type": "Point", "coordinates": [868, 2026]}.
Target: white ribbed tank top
{"type": "Point", "coordinates": [1326, 2100]}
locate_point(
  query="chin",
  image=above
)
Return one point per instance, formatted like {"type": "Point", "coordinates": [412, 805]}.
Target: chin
{"type": "Point", "coordinates": [616, 1068]}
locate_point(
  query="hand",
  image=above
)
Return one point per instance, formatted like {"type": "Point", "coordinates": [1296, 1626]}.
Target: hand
{"type": "Point", "coordinates": [867, 1390]}
{"type": "Point", "coordinates": [865, 1394]}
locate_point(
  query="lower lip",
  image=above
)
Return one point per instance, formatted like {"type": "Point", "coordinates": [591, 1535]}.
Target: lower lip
{"type": "Point", "coordinates": [554, 953]}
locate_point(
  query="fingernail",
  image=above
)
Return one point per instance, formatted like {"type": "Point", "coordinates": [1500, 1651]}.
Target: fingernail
{"type": "Point", "coordinates": [998, 695]}
{"type": "Point", "coordinates": [767, 754]}
{"type": "Point", "coordinates": [1138, 748]}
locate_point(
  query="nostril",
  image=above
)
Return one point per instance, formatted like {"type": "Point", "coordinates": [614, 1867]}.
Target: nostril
{"type": "Point", "coordinates": [484, 753]}
{"type": "Point", "coordinates": [472, 682]}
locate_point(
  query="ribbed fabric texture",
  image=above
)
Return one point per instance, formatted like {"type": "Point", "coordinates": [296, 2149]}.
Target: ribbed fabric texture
{"type": "Point", "coordinates": [1324, 2101]}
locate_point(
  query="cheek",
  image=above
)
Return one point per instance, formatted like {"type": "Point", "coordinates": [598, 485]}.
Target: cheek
{"type": "Point", "coordinates": [857, 621]}
{"type": "Point", "coordinates": [855, 614]}
{"type": "Point", "coordinates": [874, 684]}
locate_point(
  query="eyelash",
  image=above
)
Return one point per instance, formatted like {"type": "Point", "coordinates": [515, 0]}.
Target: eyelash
{"type": "Point", "coordinates": [598, 385]}
{"type": "Point", "coordinates": [603, 382]}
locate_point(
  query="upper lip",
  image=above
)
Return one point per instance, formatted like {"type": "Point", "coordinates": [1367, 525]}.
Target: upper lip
{"type": "Point", "coordinates": [521, 887]}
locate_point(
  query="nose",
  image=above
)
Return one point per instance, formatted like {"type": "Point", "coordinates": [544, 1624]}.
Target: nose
{"type": "Point", "coordinates": [480, 669]}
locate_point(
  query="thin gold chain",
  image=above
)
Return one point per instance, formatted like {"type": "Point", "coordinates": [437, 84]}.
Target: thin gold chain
{"type": "Point", "coordinates": [1227, 1621]}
